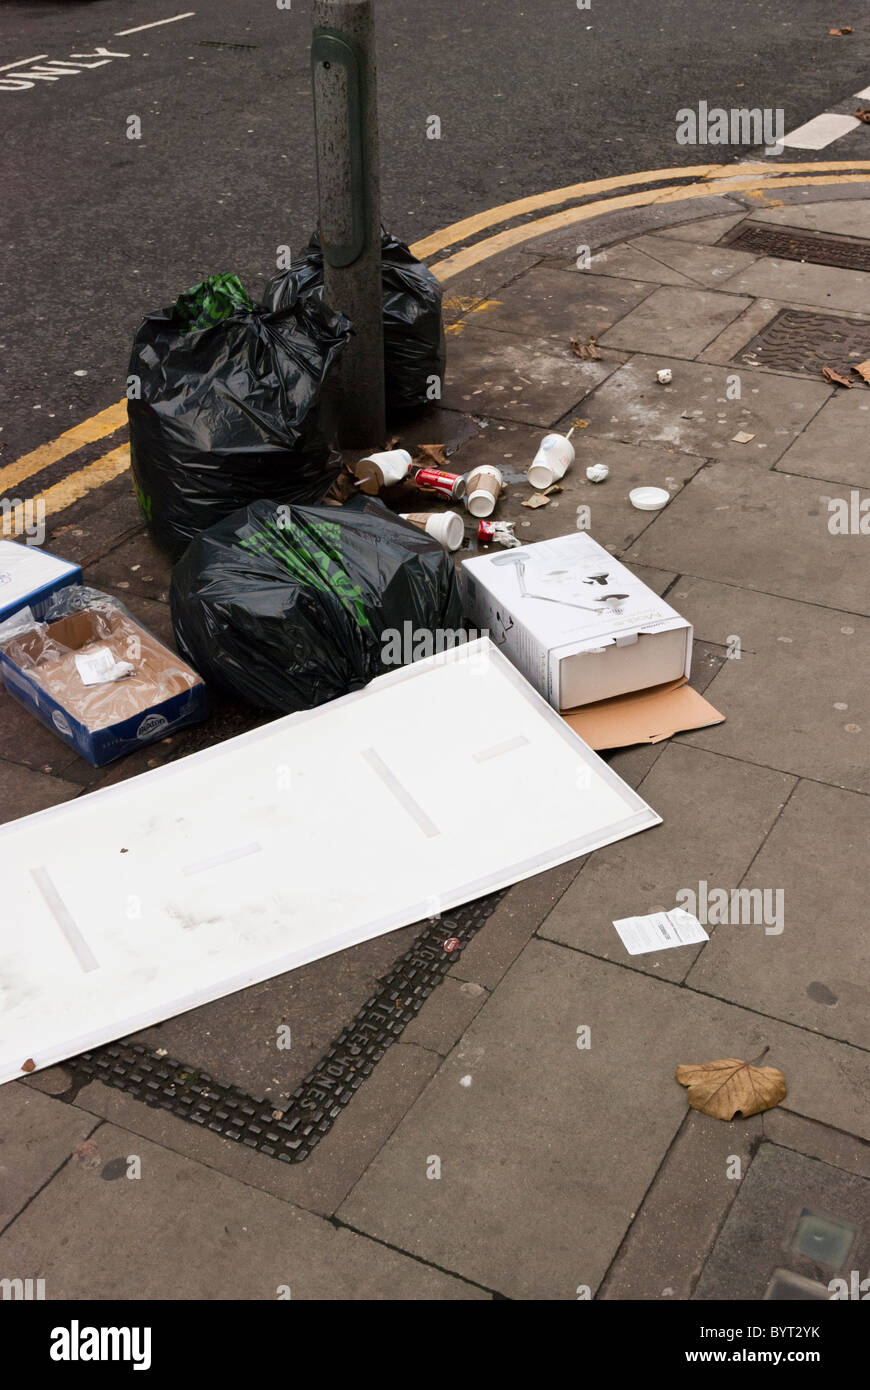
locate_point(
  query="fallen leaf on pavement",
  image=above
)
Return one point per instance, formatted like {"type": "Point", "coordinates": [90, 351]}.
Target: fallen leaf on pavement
{"type": "Point", "coordinates": [433, 452]}
{"type": "Point", "coordinates": [729, 1087]}
{"type": "Point", "coordinates": [586, 350]}
{"type": "Point", "coordinates": [844, 29]}
{"type": "Point", "coordinates": [863, 370]}
{"type": "Point", "coordinates": [830, 375]}
{"type": "Point", "coordinates": [863, 115]}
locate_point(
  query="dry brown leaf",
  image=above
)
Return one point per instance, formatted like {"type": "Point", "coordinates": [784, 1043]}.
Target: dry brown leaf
{"type": "Point", "coordinates": [586, 350]}
{"type": "Point", "coordinates": [863, 115]}
{"type": "Point", "coordinates": [830, 375]}
{"type": "Point", "coordinates": [730, 1086]}
{"type": "Point", "coordinates": [863, 370]}
{"type": "Point", "coordinates": [433, 452]}
{"type": "Point", "coordinates": [844, 29]}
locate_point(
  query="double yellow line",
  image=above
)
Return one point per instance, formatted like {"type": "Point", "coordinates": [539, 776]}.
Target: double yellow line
{"type": "Point", "coordinates": [696, 181]}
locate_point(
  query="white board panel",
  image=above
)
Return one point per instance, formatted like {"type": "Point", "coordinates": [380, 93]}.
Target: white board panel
{"type": "Point", "coordinates": [439, 782]}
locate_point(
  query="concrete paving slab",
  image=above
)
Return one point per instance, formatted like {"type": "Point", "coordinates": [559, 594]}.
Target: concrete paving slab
{"type": "Point", "coordinates": [23, 791]}
{"type": "Point", "coordinates": [492, 952]}
{"type": "Point", "coordinates": [760, 530]}
{"type": "Point", "coordinates": [135, 567]}
{"type": "Point", "coordinates": [817, 1141]}
{"type": "Point", "coordinates": [696, 415]}
{"type": "Point", "coordinates": [716, 813]}
{"type": "Point", "coordinates": [188, 1232]}
{"type": "Point", "coordinates": [813, 967]}
{"type": "Point", "coordinates": [628, 262]}
{"type": "Point", "coordinates": [704, 265]}
{"type": "Point", "coordinates": [675, 320]}
{"type": "Point", "coordinates": [546, 1150]}
{"type": "Point", "coordinates": [849, 217]}
{"type": "Point", "coordinates": [611, 227]}
{"type": "Point", "coordinates": [445, 1015]}
{"type": "Point", "coordinates": [322, 1182]}
{"type": "Point", "coordinates": [490, 373]}
{"type": "Point", "coordinates": [672, 1235]}
{"type": "Point", "coordinates": [542, 303]}
{"type": "Point", "coordinates": [708, 231]}
{"type": "Point", "coordinates": [24, 740]}
{"type": "Point", "coordinates": [38, 1135]}
{"type": "Point", "coordinates": [759, 1232]}
{"type": "Point", "coordinates": [834, 444]}
{"type": "Point", "coordinates": [819, 286]}
{"type": "Point", "coordinates": [783, 699]}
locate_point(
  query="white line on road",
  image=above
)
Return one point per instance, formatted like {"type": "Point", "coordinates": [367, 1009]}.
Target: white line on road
{"type": "Point", "coordinates": [820, 131]}
{"type": "Point", "coordinates": [120, 33]}
{"type": "Point", "coordinates": [18, 62]}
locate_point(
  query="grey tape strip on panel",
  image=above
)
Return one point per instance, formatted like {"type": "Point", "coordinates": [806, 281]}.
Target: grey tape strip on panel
{"type": "Point", "coordinates": [404, 797]}
{"type": "Point", "coordinates": [508, 745]}
{"type": "Point", "coordinates": [64, 918]}
{"type": "Point", "coordinates": [199, 866]}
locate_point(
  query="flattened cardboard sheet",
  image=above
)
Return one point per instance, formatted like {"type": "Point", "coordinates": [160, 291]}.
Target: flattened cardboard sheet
{"type": "Point", "coordinates": [643, 716]}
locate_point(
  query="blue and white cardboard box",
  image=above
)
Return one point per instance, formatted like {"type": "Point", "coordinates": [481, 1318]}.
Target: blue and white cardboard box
{"type": "Point", "coordinates": [30, 578]}
{"type": "Point", "coordinates": [103, 745]}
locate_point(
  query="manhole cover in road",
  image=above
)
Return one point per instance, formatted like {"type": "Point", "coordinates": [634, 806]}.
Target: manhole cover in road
{"type": "Point", "coordinates": [786, 245]}
{"type": "Point", "coordinates": [800, 341]}
{"type": "Point", "coordinates": [290, 1134]}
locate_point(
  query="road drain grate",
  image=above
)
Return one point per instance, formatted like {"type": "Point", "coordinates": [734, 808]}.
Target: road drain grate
{"type": "Point", "coordinates": [786, 245]}
{"type": "Point", "coordinates": [292, 1133]}
{"type": "Point", "coordinates": [800, 341]}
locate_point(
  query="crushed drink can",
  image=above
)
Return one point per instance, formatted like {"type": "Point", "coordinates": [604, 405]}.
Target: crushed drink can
{"type": "Point", "coordinates": [449, 485]}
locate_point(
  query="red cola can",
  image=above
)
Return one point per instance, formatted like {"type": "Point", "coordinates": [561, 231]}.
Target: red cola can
{"type": "Point", "coordinates": [449, 485]}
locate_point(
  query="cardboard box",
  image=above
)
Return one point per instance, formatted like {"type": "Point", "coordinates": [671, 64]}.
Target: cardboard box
{"type": "Point", "coordinates": [577, 624]}
{"type": "Point", "coordinates": [30, 578]}
{"type": "Point", "coordinates": [58, 670]}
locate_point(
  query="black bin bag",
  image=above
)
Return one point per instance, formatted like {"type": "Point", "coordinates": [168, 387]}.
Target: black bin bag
{"type": "Point", "coordinates": [228, 407]}
{"type": "Point", "coordinates": [414, 347]}
{"type": "Point", "coordinates": [288, 607]}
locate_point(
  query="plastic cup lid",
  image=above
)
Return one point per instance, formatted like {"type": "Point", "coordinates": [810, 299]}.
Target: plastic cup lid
{"type": "Point", "coordinates": [649, 499]}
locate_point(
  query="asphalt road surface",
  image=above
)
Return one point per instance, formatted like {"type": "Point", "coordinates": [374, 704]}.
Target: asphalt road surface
{"type": "Point", "coordinates": [99, 228]}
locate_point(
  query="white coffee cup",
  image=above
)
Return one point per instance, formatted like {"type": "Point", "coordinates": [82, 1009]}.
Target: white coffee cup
{"type": "Point", "coordinates": [444, 527]}
{"type": "Point", "coordinates": [552, 461]}
{"type": "Point", "coordinates": [383, 470]}
{"type": "Point", "coordinates": [484, 485]}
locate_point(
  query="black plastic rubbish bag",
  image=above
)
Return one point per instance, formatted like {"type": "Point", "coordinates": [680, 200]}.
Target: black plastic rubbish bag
{"type": "Point", "coordinates": [228, 407]}
{"type": "Point", "coordinates": [414, 347]}
{"type": "Point", "coordinates": [288, 607]}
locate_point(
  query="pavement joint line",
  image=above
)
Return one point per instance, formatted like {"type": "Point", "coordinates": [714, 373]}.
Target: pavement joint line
{"type": "Point", "coordinates": [341, 1225]}
{"type": "Point", "coordinates": [100, 1121]}
{"type": "Point", "coordinates": [716, 177]}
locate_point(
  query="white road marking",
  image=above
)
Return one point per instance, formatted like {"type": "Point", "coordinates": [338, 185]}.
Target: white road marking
{"type": "Point", "coordinates": [120, 33]}
{"type": "Point", "coordinates": [19, 61]}
{"type": "Point", "coordinates": [820, 131]}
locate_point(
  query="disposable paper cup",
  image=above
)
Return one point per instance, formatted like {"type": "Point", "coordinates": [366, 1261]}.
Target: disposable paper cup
{"type": "Point", "coordinates": [444, 527]}
{"type": "Point", "coordinates": [552, 461]}
{"type": "Point", "coordinates": [483, 486]}
{"type": "Point", "coordinates": [382, 470]}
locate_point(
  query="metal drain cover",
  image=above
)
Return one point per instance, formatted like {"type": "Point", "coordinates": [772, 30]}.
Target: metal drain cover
{"type": "Point", "coordinates": [801, 341]}
{"type": "Point", "coordinates": [786, 245]}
